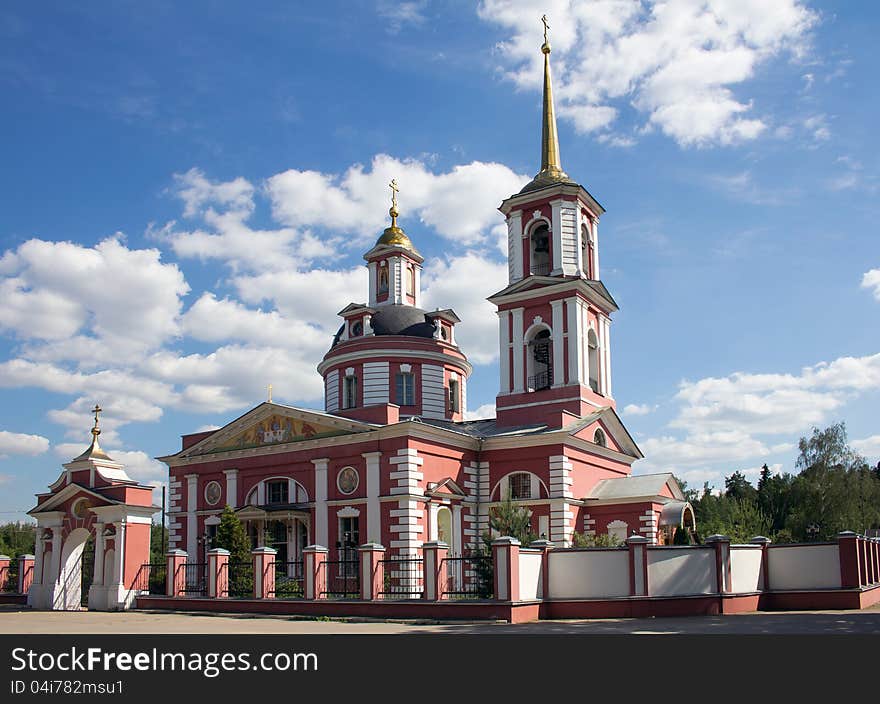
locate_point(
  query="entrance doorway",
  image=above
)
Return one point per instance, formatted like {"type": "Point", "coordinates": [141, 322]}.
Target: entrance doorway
{"type": "Point", "coordinates": [87, 571]}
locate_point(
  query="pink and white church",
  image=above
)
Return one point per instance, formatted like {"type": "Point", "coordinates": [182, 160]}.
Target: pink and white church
{"type": "Point", "coordinates": [392, 459]}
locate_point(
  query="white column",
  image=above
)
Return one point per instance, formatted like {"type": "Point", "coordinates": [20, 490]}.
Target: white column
{"type": "Point", "coordinates": [431, 528]}
{"type": "Point", "coordinates": [320, 529]}
{"type": "Point", "coordinates": [374, 517]}
{"type": "Point", "coordinates": [56, 554]}
{"type": "Point", "coordinates": [372, 267]}
{"type": "Point", "coordinates": [558, 345]}
{"type": "Point", "coordinates": [396, 282]}
{"type": "Point", "coordinates": [606, 350]}
{"type": "Point", "coordinates": [119, 556]}
{"type": "Point", "coordinates": [517, 350]}
{"type": "Point", "coordinates": [504, 350]}
{"type": "Point", "coordinates": [595, 230]}
{"type": "Point", "coordinates": [417, 286]}
{"type": "Point", "coordinates": [575, 335]}
{"type": "Point", "coordinates": [100, 546]}
{"type": "Point", "coordinates": [456, 529]}
{"type": "Point", "coordinates": [556, 207]}
{"type": "Point", "coordinates": [191, 523]}
{"type": "Point", "coordinates": [231, 487]}
{"type": "Point", "coordinates": [39, 549]}
{"type": "Point", "coordinates": [514, 246]}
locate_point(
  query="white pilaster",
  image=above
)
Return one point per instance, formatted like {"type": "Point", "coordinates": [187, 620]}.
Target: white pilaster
{"type": "Point", "coordinates": [100, 546]}
{"type": "Point", "coordinates": [558, 345]}
{"type": "Point", "coordinates": [231, 487]}
{"type": "Point", "coordinates": [374, 518]}
{"type": "Point", "coordinates": [504, 350]}
{"type": "Point", "coordinates": [372, 267]}
{"type": "Point", "coordinates": [556, 209]}
{"type": "Point", "coordinates": [397, 282]}
{"type": "Point", "coordinates": [455, 546]}
{"type": "Point", "coordinates": [191, 523]}
{"type": "Point", "coordinates": [517, 350]}
{"type": "Point", "coordinates": [514, 246]}
{"type": "Point", "coordinates": [606, 350]}
{"type": "Point", "coordinates": [575, 335]}
{"type": "Point", "coordinates": [321, 528]}
{"type": "Point", "coordinates": [119, 555]}
{"type": "Point", "coordinates": [417, 283]}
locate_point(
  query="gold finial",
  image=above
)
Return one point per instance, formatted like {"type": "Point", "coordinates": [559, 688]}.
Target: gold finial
{"type": "Point", "coordinates": [96, 431]}
{"type": "Point", "coordinates": [270, 394]}
{"type": "Point", "coordinates": [546, 47]}
{"type": "Point", "coordinates": [394, 212]}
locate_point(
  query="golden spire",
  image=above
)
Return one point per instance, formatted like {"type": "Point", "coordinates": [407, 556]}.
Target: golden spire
{"type": "Point", "coordinates": [394, 235]}
{"type": "Point", "coordinates": [269, 400]}
{"type": "Point", "coordinates": [551, 167]}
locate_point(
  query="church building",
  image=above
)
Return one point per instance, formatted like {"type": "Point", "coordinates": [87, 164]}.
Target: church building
{"type": "Point", "coordinates": [393, 458]}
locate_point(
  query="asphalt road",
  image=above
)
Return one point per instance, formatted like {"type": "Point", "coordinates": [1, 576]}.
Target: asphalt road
{"type": "Point", "coordinates": [16, 620]}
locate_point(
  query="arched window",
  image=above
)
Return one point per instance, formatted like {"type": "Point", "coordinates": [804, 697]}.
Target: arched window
{"type": "Point", "coordinates": [539, 255]}
{"type": "Point", "coordinates": [520, 485]}
{"type": "Point", "coordinates": [593, 360]}
{"type": "Point", "coordinates": [383, 279]}
{"type": "Point", "coordinates": [349, 391]}
{"type": "Point", "coordinates": [586, 251]}
{"type": "Point", "coordinates": [539, 361]}
{"type": "Point", "coordinates": [410, 281]}
{"type": "Point", "coordinates": [599, 438]}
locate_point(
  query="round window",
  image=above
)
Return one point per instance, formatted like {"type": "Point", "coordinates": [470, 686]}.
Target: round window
{"type": "Point", "coordinates": [347, 480]}
{"type": "Point", "coordinates": [212, 493]}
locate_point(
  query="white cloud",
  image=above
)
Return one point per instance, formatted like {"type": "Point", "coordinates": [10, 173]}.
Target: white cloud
{"type": "Point", "coordinates": [487, 410]}
{"type": "Point", "coordinates": [54, 290]}
{"type": "Point", "coordinates": [399, 14]}
{"type": "Point", "coordinates": [463, 284]}
{"type": "Point", "coordinates": [871, 280]}
{"type": "Point", "coordinates": [636, 409]}
{"type": "Point", "coordinates": [21, 444]}
{"type": "Point", "coordinates": [869, 447]}
{"type": "Point", "coordinates": [677, 62]}
{"type": "Point", "coordinates": [730, 420]}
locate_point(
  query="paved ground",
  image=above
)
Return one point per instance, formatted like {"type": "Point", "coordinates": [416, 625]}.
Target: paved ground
{"type": "Point", "coordinates": [16, 620]}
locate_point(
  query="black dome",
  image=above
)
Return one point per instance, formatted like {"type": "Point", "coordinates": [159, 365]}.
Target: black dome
{"type": "Point", "coordinates": [397, 319]}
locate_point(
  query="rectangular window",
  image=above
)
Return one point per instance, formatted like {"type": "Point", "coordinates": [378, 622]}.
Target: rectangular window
{"type": "Point", "coordinates": [454, 396]}
{"type": "Point", "coordinates": [347, 546]}
{"type": "Point", "coordinates": [406, 389]}
{"type": "Point", "coordinates": [276, 492]}
{"type": "Point", "coordinates": [521, 486]}
{"type": "Point", "coordinates": [349, 392]}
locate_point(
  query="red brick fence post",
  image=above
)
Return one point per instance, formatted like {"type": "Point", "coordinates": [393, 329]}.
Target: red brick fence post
{"type": "Point", "coordinates": [505, 557]}
{"type": "Point", "coordinates": [218, 573]}
{"type": "Point", "coordinates": [436, 578]}
{"type": "Point", "coordinates": [372, 574]}
{"type": "Point", "coordinates": [314, 572]}
{"type": "Point", "coordinates": [175, 574]}
{"type": "Point", "coordinates": [264, 577]}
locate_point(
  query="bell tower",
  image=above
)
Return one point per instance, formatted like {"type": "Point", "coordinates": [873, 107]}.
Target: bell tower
{"type": "Point", "coordinates": [554, 315]}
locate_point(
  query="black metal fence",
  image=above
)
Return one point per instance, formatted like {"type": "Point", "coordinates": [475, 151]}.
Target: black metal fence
{"type": "Point", "coordinates": [544, 380]}
{"type": "Point", "coordinates": [404, 577]}
{"type": "Point", "coordinates": [289, 582]}
{"type": "Point", "coordinates": [240, 579]}
{"type": "Point", "coordinates": [11, 584]}
{"type": "Point", "coordinates": [150, 578]}
{"type": "Point", "coordinates": [195, 581]}
{"type": "Point", "coordinates": [342, 578]}
{"type": "Point", "coordinates": [470, 577]}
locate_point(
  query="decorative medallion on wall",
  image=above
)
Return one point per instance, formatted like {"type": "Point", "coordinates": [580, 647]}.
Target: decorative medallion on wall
{"type": "Point", "coordinates": [213, 493]}
{"type": "Point", "coordinates": [347, 480]}
{"type": "Point", "coordinates": [81, 508]}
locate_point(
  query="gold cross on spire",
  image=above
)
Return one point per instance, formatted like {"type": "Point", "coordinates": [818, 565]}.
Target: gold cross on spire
{"type": "Point", "coordinates": [96, 431]}
{"type": "Point", "coordinates": [394, 212]}
{"type": "Point", "coordinates": [546, 27]}
{"type": "Point", "coordinates": [270, 393]}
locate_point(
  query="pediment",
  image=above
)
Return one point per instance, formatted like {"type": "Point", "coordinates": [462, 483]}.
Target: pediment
{"type": "Point", "coordinates": [616, 434]}
{"type": "Point", "coordinates": [447, 487]}
{"type": "Point", "coordinates": [272, 424]}
{"type": "Point", "coordinates": [69, 492]}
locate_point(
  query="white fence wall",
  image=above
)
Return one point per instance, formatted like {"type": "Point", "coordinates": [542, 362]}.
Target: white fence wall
{"type": "Point", "coordinates": [530, 576]}
{"type": "Point", "coordinates": [588, 574]}
{"type": "Point", "coordinates": [804, 567]}
{"type": "Point", "coordinates": [746, 570]}
{"type": "Point", "coordinates": [681, 571]}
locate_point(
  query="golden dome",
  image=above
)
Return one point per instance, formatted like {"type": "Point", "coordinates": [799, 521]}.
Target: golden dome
{"type": "Point", "coordinates": [394, 236]}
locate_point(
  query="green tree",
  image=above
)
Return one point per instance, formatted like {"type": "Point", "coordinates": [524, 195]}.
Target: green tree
{"type": "Point", "coordinates": [737, 487]}
{"type": "Point", "coordinates": [509, 518]}
{"type": "Point", "coordinates": [17, 539]}
{"type": "Point", "coordinates": [232, 536]}
{"type": "Point", "coordinates": [597, 540]}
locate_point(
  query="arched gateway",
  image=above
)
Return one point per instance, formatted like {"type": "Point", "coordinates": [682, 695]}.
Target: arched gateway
{"type": "Point", "coordinates": [93, 535]}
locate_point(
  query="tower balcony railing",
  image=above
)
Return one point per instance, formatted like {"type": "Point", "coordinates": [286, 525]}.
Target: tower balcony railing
{"type": "Point", "coordinates": [544, 380]}
{"type": "Point", "coordinates": [540, 269]}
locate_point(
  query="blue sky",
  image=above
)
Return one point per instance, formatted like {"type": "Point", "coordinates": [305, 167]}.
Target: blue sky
{"type": "Point", "coordinates": [188, 189]}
